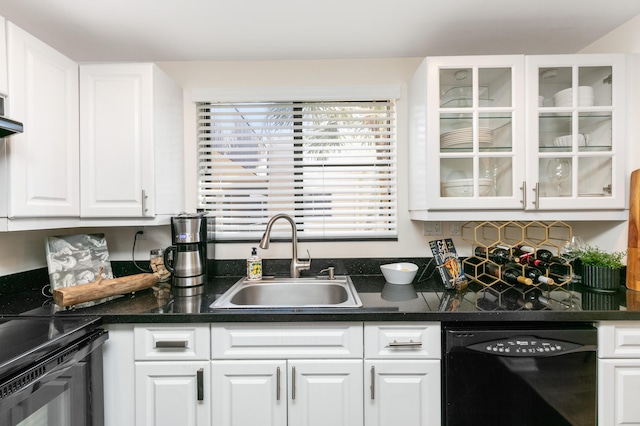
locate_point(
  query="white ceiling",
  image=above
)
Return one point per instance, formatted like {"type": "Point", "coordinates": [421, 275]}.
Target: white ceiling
{"type": "Point", "coordinates": [183, 30]}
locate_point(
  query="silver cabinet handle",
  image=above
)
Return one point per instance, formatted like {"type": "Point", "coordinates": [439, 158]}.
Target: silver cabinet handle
{"type": "Point", "coordinates": [172, 344]}
{"type": "Point", "coordinates": [200, 384]}
{"type": "Point", "coordinates": [524, 194]}
{"type": "Point", "coordinates": [410, 343]}
{"type": "Point", "coordinates": [293, 382]}
{"type": "Point", "coordinates": [144, 203]}
{"type": "Point", "coordinates": [278, 384]}
{"type": "Point", "coordinates": [373, 382]}
{"type": "Point", "coordinates": [536, 189]}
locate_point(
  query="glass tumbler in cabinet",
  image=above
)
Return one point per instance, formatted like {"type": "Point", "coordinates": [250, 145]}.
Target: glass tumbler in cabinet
{"type": "Point", "coordinates": [579, 138]}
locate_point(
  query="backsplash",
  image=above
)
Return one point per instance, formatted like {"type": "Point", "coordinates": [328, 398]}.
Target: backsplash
{"type": "Point", "coordinates": [35, 280]}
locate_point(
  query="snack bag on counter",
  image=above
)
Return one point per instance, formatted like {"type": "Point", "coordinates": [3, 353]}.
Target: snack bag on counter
{"type": "Point", "coordinates": [448, 264]}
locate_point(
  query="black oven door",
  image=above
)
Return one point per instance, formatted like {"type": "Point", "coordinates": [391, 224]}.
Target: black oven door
{"type": "Point", "coordinates": [64, 388]}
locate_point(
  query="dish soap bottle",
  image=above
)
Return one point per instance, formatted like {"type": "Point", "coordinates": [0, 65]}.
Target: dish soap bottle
{"type": "Point", "coordinates": [254, 265]}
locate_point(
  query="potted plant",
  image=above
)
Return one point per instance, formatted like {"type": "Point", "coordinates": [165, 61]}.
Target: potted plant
{"type": "Point", "coordinates": [600, 270]}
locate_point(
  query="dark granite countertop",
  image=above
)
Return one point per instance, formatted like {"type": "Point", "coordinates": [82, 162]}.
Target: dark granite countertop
{"type": "Point", "coordinates": [24, 295]}
{"type": "Point", "coordinates": [422, 301]}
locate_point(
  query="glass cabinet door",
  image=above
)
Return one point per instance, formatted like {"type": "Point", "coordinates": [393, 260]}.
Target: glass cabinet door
{"type": "Point", "coordinates": [476, 136]}
{"type": "Point", "coordinates": [576, 144]}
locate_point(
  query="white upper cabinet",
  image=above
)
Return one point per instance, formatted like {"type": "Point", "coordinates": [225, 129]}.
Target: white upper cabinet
{"type": "Point", "coordinates": [504, 137]}
{"type": "Point", "coordinates": [576, 137]}
{"type": "Point", "coordinates": [4, 82]}
{"type": "Point", "coordinates": [43, 161]}
{"type": "Point", "coordinates": [132, 142]}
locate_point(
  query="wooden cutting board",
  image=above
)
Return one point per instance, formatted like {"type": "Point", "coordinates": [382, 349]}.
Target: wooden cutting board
{"type": "Point", "coordinates": [633, 252]}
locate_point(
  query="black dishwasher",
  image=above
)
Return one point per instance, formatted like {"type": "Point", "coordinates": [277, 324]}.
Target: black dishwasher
{"type": "Point", "coordinates": [536, 374]}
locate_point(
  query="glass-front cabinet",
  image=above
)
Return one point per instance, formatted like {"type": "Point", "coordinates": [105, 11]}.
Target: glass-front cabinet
{"type": "Point", "coordinates": [506, 133]}
{"type": "Point", "coordinates": [576, 110]}
{"type": "Point", "coordinates": [477, 134]}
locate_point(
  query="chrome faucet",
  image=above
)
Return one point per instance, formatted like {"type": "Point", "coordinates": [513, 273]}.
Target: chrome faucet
{"type": "Point", "coordinates": [296, 264]}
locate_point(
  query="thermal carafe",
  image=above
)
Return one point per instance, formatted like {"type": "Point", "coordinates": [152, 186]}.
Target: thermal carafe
{"type": "Point", "coordinates": [186, 259]}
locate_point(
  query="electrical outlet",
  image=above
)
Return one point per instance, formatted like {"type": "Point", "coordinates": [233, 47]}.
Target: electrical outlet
{"type": "Point", "coordinates": [432, 228]}
{"type": "Point", "coordinates": [455, 229]}
{"type": "Point", "coordinates": [140, 233]}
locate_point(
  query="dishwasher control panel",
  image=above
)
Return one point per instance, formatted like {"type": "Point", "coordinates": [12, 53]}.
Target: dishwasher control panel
{"type": "Point", "coordinates": [525, 346]}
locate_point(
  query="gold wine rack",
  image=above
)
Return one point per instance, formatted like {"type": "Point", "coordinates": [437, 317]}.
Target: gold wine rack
{"type": "Point", "coordinates": [551, 236]}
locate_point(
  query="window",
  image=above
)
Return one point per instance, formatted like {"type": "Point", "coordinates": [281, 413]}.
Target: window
{"type": "Point", "coordinates": [331, 165]}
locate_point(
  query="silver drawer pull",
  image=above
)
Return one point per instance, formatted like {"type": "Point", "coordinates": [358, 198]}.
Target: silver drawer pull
{"type": "Point", "coordinates": [410, 343]}
{"type": "Point", "coordinates": [172, 344]}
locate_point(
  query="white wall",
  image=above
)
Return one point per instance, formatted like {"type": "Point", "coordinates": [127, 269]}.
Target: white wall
{"type": "Point", "coordinates": [288, 74]}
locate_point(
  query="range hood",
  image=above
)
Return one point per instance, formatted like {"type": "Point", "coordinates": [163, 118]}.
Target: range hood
{"type": "Point", "coordinates": [8, 126]}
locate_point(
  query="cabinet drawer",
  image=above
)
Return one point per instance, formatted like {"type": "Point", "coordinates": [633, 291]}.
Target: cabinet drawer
{"type": "Point", "coordinates": [619, 339]}
{"type": "Point", "coordinates": [171, 342]}
{"type": "Point", "coordinates": [402, 340]}
{"type": "Point", "coordinates": [286, 340]}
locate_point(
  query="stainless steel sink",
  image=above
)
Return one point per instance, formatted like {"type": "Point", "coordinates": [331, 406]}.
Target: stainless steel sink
{"type": "Point", "coordinates": [318, 292]}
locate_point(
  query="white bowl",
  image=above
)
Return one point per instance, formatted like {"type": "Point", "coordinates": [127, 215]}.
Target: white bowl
{"type": "Point", "coordinates": [399, 273]}
{"type": "Point", "coordinates": [564, 97]}
{"type": "Point", "coordinates": [583, 138]}
{"type": "Point", "coordinates": [464, 188]}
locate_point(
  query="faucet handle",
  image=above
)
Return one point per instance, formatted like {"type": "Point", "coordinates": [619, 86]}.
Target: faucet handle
{"type": "Point", "coordinates": [305, 264]}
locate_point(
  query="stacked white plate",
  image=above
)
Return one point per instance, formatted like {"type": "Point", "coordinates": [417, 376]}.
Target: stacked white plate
{"type": "Point", "coordinates": [463, 138]}
{"type": "Point", "coordinates": [564, 98]}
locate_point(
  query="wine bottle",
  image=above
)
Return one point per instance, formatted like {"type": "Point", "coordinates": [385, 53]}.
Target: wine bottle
{"type": "Point", "coordinates": [532, 272]}
{"type": "Point", "coordinates": [543, 254]}
{"type": "Point", "coordinates": [496, 254]}
{"type": "Point", "coordinates": [508, 275]}
{"type": "Point", "coordinates": [526, 258]}
{"type": "Point", "coordinates": [547, 256]}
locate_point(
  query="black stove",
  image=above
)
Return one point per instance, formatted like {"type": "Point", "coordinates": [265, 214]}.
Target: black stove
{"type": "Point", "coordinates": [53, 361]}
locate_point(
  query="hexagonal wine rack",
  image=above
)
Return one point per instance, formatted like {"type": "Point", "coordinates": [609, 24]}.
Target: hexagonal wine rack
{"type": "Point", "coordinates": [516, 238]}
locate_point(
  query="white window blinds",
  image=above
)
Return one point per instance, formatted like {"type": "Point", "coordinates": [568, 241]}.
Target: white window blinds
{"type": "Point", "coordinates": [330, 165]}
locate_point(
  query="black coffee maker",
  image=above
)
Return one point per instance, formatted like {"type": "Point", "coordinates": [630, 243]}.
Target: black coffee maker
{"type": "Point", "coordinates": [186, 259]}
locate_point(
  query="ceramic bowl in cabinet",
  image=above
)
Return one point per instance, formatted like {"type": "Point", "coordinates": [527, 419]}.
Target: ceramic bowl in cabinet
{"type": "Point", "coordinates": [464, 188]}
{"type": "Point", "coordinates": [399, 273]}
{"type": "Point", "coordinates": [564, 98]}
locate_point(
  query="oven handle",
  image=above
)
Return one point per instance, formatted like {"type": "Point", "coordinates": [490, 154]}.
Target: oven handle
{"type": "Point", "coordinates": [49, 368]}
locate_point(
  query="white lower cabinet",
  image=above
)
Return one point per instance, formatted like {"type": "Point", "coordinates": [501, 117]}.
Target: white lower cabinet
{"type": "Point", "coordinates": [618, 373]}
{"type": "Point", "coordinates": [172, 375]}
{"type": "Point", "coordinates": [325, 392]}
{"type": "Point", "coordinates": [402, 374]}
{"type": "Point", "coordinates": [273, 374]}
{"type": "Point", "coordinates": [280, 392]}
{"type": "Point", "coordinates": [173, 393]}
{"type": "Point", "coordinates": [287, 374]}
{"type": "Point", "coordinates": [248, 393]}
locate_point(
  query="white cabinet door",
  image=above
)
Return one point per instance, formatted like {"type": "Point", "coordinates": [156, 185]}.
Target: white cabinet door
{"type": "Point", "coordinates": [473, 143]}
{"type": "Point", "coordinates": [249, 393]}
{"type": "Point", "coordinates": [618, 390]}
{"type": "Point", "coordinates": [4, 83]}
{"type": "Point", "coordinates": [402, 392]}
{"type": "Point", "coordinates": [131, 133]}
{"type": "Point", "coordinates": [43, 161]}
{"type": "Point", "coordinates": [325, 392]}
{"type": "Point", "coordinates": [116, 124]}
{"type": "Point", "coordinates": [173, 393]}
{"type": "Point", "coordinates": [576, 134]}
{"type": "Point", "coordinates": [494, 136]}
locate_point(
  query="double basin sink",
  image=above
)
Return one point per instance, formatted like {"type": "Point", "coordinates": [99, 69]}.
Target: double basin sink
{"type": "Point", "coordinates": [277, 292]}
